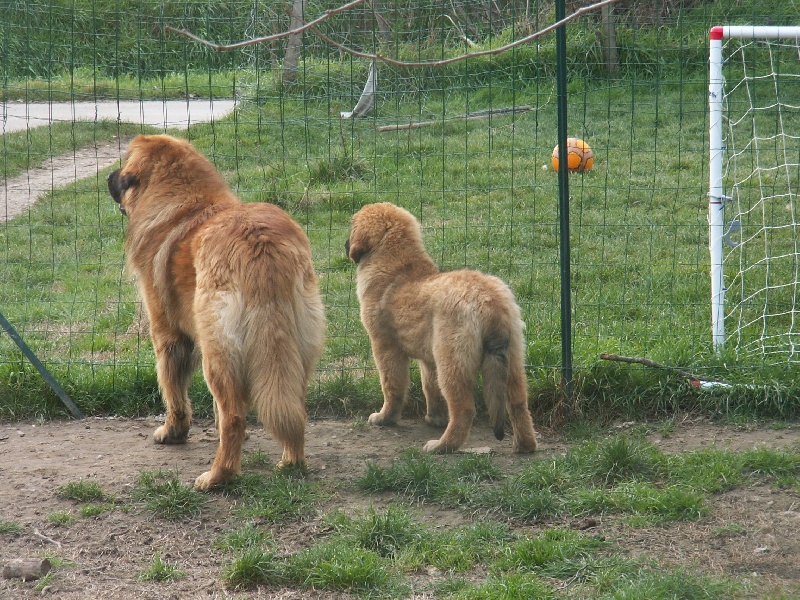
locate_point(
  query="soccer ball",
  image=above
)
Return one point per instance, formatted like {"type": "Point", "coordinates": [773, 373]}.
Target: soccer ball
{"type": "Point", "coordinates": [579, 156]}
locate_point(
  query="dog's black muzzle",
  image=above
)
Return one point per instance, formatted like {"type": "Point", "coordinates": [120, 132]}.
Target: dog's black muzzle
{"type": "Point", "coordinates": [118, 184]}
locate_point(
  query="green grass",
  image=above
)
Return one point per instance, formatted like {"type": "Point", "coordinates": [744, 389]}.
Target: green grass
{"type": "Point", "coordinates": [166, 497]}
{"type": "Point", "coordinates": [386, 533]}
{"type": "Point", "coordinates": [340, 566]}
{"type": "Point", "coordinates": [93, 509]}
{"type": "Point", "coordinates": [277, 497]}
{"type": "Point", "coordinates": [484, 531]}
{"type": "Point", "coordinates": [161, 570]}
{"type": "Point", "coordinates": [82, 491]}
{"type": "Point", "coordinates": [485, 202]}
{"type": "Point", "coordinates": [616, 475]}
{"type": "Point", "coordinates": [9, 527]}
{"type": "Point", "coordinates": [254, 567]}
{"type": "Point", "coordinates": [333, 566]}
{"type": "Point", "coordinates": [245, 537]}
{"type": "Point", "coordinates": [61, 519]}
{"type": "Point", "coordinates": [502, 587]}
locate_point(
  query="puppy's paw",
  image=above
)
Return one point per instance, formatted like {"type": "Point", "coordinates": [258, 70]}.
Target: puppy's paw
{"type": "Point", "coordinates": [291, 468]}
{"type": "Point", "coordinates": [170, 435]}
{"type": "Point", "coordinates": [436, 420]}
{"type": "Point", "coordinates": [380, 418]}
{"type": "Point", "coordinates": [206, 481]}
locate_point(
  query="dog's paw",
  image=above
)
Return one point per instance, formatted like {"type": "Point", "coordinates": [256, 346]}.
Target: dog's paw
{"type": "Point", "coordinates": [435, 447]}
{"type": "Point", "coordinates": [205, 482]}
{"type": "Point", "coordinates": [169, 435]}
{"type": "Point", "coordinates": [525, 448]}
{"type": "Point", "coordinates": [380, 418]}
{"type": "Point", "coordinates": [436, 420]}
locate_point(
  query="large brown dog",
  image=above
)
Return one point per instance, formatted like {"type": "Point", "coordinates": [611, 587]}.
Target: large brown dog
{"type": "Point", "coordinates": [225, 283]}
{"type": "Point", "coordinates": [454, 323]}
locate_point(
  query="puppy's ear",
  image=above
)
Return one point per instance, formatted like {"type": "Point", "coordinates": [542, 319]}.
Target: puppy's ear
{"type": "Point", "coordinates": [356, 248]}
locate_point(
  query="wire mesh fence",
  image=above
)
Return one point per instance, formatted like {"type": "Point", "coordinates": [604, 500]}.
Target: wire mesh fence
{"type": "Point", "coordinates": [465, 145]}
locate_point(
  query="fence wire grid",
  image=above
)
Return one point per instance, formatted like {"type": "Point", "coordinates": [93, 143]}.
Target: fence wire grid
{"type": "Point", "coordinates": [466, 146]}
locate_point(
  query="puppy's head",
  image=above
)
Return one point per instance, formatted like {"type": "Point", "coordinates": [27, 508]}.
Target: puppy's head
{"type": "Point", "coordinates": [382, 228]}
{"type": "Point", "coordinates": [148, 158]}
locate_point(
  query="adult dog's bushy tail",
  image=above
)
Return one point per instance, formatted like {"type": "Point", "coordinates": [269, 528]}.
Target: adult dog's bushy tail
{"type": "Point", "coordinates": [282, 361]}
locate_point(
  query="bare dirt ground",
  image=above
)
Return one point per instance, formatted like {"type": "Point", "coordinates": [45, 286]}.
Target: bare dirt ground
{"type": "Point", "coordinates": [751, 533]}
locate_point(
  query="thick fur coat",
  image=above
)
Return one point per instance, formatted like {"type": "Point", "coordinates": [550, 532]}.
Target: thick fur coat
{"type": "Point", "coordinates": [456, 324]}
{"type": "Point", "coordinates": [226, 285]}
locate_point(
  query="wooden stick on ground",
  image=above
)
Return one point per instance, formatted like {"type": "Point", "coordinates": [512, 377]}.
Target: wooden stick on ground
{"type": "Point", "coordinates": [647, 363]}
{"type": "Point", "coordinates": [478, 114]}
{"type": "Point", "coordinates": [26, 569]}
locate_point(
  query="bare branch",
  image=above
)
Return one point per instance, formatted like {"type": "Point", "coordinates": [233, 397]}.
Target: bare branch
{"type": "Point", "coordinates": [224, 47]}
{"type": "Point", "coordinates": [311, 25]}
{"type": "Point", "coordinates": [447, 61]}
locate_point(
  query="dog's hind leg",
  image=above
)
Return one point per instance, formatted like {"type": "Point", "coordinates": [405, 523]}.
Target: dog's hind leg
{"type": "Point", "coordinates": [222, 369]}
{"type": "Point", "coordinates": [176, 362]}
{"type": "Point", "coordinates": [393, 368]}
{"type": "Point", "coordinates": [457, 369]}
{"type": "Point", "coordinates": [518, 411]}
{"type": "Point", "coordinates": [436, 413]}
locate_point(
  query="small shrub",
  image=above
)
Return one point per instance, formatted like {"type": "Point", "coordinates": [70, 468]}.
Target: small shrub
{"type": "Point", "coordinates": [9, 528]}
{"type": "Point", "coordinates": [165, 496]}
{"type": "Point", "coordinates": [82, 491]}
{"type": "Point", "coordinates": [161, 570]}
{"type": "Point", "coordinates": [61, 519]}
{"type": "Point", "coordinates": [337, 565]}
{"type": "Point", "coordinates": [254, 567]}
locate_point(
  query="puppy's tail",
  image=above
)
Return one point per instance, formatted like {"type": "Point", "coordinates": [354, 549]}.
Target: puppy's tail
{"type": "Point", "coordinates": [495, 370]}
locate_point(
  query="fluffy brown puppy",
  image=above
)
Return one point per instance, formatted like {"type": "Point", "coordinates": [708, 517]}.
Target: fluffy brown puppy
{"type": "Point", "coordinates": [455, 324]}
{"type": "Point", "coordinates": [225, 284]}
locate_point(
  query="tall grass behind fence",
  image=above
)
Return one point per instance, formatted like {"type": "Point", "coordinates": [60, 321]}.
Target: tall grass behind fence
{"type": "Point", "coordinates": [483, 189]}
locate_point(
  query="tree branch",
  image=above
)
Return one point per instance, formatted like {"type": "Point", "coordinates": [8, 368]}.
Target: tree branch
{"type": "Point", "coordinates": [311, 25]}
{"type": "Point", "coordinates": [224, 47]}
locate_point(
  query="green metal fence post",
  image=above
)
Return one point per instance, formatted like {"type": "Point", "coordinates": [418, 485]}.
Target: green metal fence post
{"type": "Point", "coordinates": [563, 209]}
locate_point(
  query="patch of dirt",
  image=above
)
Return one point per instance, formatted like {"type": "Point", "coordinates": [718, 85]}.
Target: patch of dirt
{"type": "Point", "coordinates": [751, 533]}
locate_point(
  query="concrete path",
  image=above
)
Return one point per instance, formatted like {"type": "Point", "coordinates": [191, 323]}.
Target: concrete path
{"type": "Point", "coordinates": [19, 193]}
{"type": "Point", "coordinates": [170, 114]}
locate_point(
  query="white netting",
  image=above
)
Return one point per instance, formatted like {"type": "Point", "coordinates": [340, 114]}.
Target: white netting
{"type": "Point", "coordinates": [761, 131]}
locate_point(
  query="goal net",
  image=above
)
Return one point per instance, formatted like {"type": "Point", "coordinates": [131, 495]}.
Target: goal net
{"type": "Point", "coordinates": [754, 170]}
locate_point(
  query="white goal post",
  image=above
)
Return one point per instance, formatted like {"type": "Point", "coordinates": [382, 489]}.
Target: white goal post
{"type": "Point", "coordinates": [769, 263]}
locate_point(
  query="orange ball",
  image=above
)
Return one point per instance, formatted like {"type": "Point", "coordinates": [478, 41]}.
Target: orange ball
{"type": "Point", "coordinates": [579, 156]}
